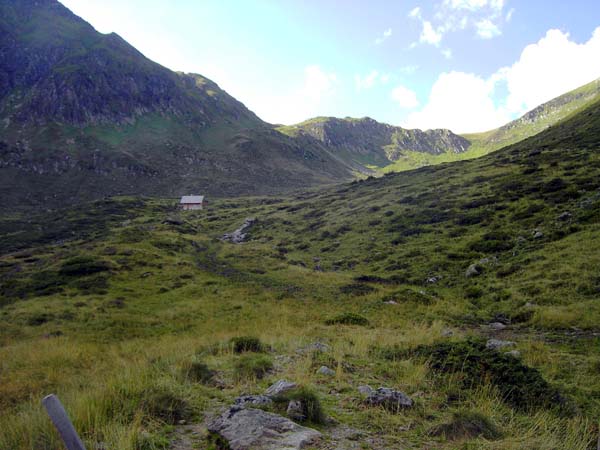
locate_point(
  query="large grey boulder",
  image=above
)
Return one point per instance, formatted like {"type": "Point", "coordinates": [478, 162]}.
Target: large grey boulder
{"type": "Point", "coordinates": [390, 399]}
{"type": "Point", "coordinates": [255, 429]}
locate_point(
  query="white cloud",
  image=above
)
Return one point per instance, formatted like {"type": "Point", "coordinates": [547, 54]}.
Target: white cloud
{"type": "Point", "coordinates": [317, 83]}
{"type": "Point", "coordinates": [509, 14]}
{"type": "Point", "coordinates": [549, 68]}
{"type": "Point", "coordinates": [464, 102]}
{"type": "Point", "coordinates": [405, 97]}
{"type": "Point", "coordinates": [429, 35]}
{"type": "Point", "coordinates": [447, 53]}
{"type": "Point", "coordinates": [410, 69]}
{"type": "Point", "coordinates": [386, 34]}
{"type": "Point", "coordinates": [461, 102]}
{"type": "Point", "coordinates": [415, 13]}
{"type": "Point", "coordinates": [370, 80]}
{"type": "Point", "coordinates": [484, 16]}
{"type": "Point", "coordinates": [486, 29]}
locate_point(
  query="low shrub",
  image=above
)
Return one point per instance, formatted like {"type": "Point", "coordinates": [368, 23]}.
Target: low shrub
{"type": "Point", "coordinates": [163, 404]}
{"type": "Point", "coordinates": [467, 424]}
{"type": "Point", "coordinates": [312, 410]}
{"type": "Point", "coordinates": [82, 265]}
{"type": "Point", "coordinates": [348, 319]}
{"type": "Point", "coordinates": [357, 289]}
{"type": "Point", "coordinates": [198, 372]}
{"type": "Point", "coordinates": [252, 366]}
{"type": "Point", "coordinates": [242, 344]}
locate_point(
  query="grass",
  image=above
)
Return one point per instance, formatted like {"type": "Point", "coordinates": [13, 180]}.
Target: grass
{"type": "Point", "coordinates": [183, 323]}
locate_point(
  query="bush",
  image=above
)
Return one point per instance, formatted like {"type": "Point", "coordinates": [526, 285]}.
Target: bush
{"type": "Point", "coordinates": [311, 405]}
{"type": "Point", "coordinates": [163, 404]}
{"type": "Point", "coordinates": [82, 265]}
{"type": "Point", "coordinates": [252, 366]}
{"type": "Point", "coordinates": [198, 372]}
{"type": "Point", "coordinates": [467, 425]}
{"type": "Point", "coordinates": [348, 319]}
{"type": "Point", "coordinates": [521, 386]}
{"type": "Point", "coordinates": [357, 289]}
{"type": "Point", "coordinates": [242, 344]}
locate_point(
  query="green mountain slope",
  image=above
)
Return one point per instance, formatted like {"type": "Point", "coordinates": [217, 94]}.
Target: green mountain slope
{"type": "Point", "coordinates": [537, 120]}
{"type": "Point", "coordinates": [127, 306]}
{"type": "Point", "coordinates": [371, 143]}
{"type": "Point", "coordinates": [85, 115]}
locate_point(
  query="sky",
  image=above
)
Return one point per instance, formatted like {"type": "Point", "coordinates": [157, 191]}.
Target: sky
{"type": "Point", "coordinates": [466, 65]}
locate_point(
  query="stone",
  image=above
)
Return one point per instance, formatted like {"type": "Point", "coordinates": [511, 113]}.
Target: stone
{"type": "Point", "coordinates": [497, 326]}
{"type": "Point", "coordinates": [280, 387]}
{"type": "Point", "coordinates": [391, 302]}
{"type": "Point", "coordinates": [537, 234]}
{"type": "Point", "coordinates": [253, 400]}
{"type": "Point", "coordinates": [496, 344]}
{"type": "Point", "coordinates": [514, 353]}
{"type": "Point", "coordinates": [319, 347]}
{"type": "Point", "coordinates": [295, 410]}
{"type": "Point", "coordinates": [390, 399]}
{"type": "Point", "coordinates": [565, 216]}
{"type": "Point", "coordinates": [324, 370]}
{"type": "Point", "coordinates": [434, 279]}
{"type": "Point", "coordinates": [447, 332]}
{"type": "Point", "coordinates": [365, 389]}
{"type": "Point", "coordinates": [473, 270]}
{"type": "Point", "coordinates": [248, 428]}
{"type": "Point", "coordinates": [239, 235]}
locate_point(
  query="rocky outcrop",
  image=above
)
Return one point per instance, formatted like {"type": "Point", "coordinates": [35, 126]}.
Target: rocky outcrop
{"type": "Point", "coordinates": [254, 429]}
{"type": "Point", "coordinates": [239, 235]}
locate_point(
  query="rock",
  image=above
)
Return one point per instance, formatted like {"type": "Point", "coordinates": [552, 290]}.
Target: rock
{"type": "Point", "coordinates": [295, 410]}
{"type": "Point", "coordinates": [447, 332]}
{"type": "Point", "coordinates": [390, 399]}
{"type": "Point", "coordinates": [565, 216]}
{"type": "Point", "coordinates": [365, 389]}
{"type": "Point", "coordinates": [497, 326]}
{"type": "Point", "coordinates": [280, 387]}
{"type": "Point", "coordinates": [239, 235]}
{"type": "Point", "coordinates": [324, 370]}
{"type": "Point", "coordinates": [514, 353]}
{"type": "Point", "coordinates": [434, 279]}
{"type": "Point", "coordinates": [314, 347]}
{"type": "Point", "coordinates": [248, 428]}
{"type": "Point", "coordinates": [496, 344]}
{"type": "Point", "coordinates": [391, 302]}
{"type": "Point", "coordinates": [253, 400]}
{"type": "Point", "coordinates": [537, 234]}
{"type": "Point", "coordinates": [473, 270]}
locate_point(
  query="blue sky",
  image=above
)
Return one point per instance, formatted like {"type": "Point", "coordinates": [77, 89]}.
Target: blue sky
{"type": "Point", "coordinates": [467, 65]}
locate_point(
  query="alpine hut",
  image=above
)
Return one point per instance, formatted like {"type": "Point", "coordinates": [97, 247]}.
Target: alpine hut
{"type": "Point", "coordinates": [189, 202]}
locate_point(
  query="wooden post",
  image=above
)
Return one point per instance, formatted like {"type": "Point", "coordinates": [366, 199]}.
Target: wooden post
{"type": "Point", "coordinates": [61, 421]}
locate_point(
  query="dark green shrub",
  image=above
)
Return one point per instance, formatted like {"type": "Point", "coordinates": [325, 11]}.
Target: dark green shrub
{"type": "Point", "coordinates": [311, 405]}
{"type": "Point", "coordinates": [163, 404]}
{"type": "Point", "coordinates": [521, 386]}
{"type": "Point", "coordinates": [348, 319]}
{"type": "Point", "coordinates": [467, 425]}
{"type": "Point", "coordinates": [82, 265]}
{"type": "Point", "coordinates": [198, 372]}
{"type": "Point", "coordinates": [39, 319]}
{"type": "Point", "coordinates": [357, 289]}
{"type": "Point", "coordinates": [242, 344]}
{"type": "Point", "coordinates": [252, 366]}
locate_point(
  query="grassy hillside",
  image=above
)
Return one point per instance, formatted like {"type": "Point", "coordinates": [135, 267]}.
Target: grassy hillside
{"type": "Point", "coordinates": [536, 120]}
{"type": "Point", "coordinates": [126, 307]}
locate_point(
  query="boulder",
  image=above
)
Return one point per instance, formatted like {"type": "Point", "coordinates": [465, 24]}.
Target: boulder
{"type": "Point", "coordinates": [248, 428]}
{"type": "Point", "coordinates": [324, 370]}
{"type": "Point", "coordinates": [496, 344]}
{"type": "Point", "coordinates": [280, 387]}
{"type": "Point", "coordinates": [295, 410]}
{"type": "Point", "coordinates": [497, 326]}
{"type": "Point", "coordinates": [473, 270]}
{"type": "Point", "coordinates": [253, 400]}
{"type": "Point", "coordinates": [365, 389]}
{"type": "Point", "coordinates": [390, 399]}
{"type": "Point", "coordinates": [565, 216]}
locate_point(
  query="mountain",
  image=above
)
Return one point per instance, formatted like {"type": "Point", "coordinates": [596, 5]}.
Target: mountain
{"type": "Point", "coordinates": [371, 143]}
{"type": "Point", "coordinates": [472, 287]}
{"type": "Point", "coordinates": [85, 115]}
{"type": "Point", "coordinates": [538, 119]}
